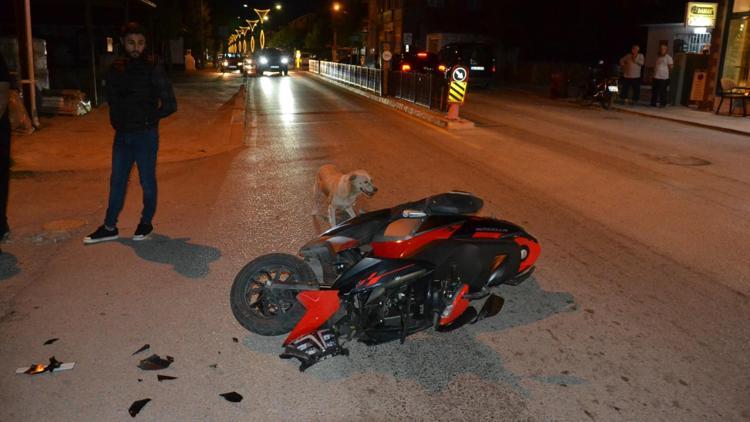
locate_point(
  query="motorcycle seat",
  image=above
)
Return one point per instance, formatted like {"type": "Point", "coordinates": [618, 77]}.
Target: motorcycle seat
{"type": "Point", "coordinates": [449, 203]}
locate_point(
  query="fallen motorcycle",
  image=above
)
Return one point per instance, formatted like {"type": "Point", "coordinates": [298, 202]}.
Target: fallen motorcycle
{"type": "Point", "coordinates": [384, 275]}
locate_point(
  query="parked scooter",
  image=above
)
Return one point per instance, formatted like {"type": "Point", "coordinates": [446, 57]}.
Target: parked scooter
{"type": "Point", "coordinates": [598, 87]}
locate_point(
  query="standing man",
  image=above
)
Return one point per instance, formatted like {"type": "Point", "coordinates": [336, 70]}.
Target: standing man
{"type": "Point", "coordinates": [139, 95]}
{"type": "Point", "coordinates": [4, 147]}
{"type": "Point", "coordinates": [662, 69]}
{"type": "Point", "coordinates": [631, 69]}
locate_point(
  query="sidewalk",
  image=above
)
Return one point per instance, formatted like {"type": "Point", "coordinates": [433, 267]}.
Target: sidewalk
{"type": "Point", "coordinates": [681, 114]}
{"type": "Point", "coordinates": [209, 120]}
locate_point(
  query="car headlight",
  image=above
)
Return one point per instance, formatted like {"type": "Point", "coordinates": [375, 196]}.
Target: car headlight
{"type": "Point", "coordinates": [284, 60]}
{"type": "Point", "coordinates": [225, 62]}
{"type": "Point", "coordinates": [263, 60]}
{"type": "Point", "coordinates": [239, 63]}
{"type": "Point", "coordinates": [248, 62]}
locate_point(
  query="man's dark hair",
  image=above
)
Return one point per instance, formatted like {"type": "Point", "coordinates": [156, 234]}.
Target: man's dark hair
{"type": "Point", "coordinates": [132, 28]}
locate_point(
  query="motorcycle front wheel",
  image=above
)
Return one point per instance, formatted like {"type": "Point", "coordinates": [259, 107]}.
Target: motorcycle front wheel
{"type": "Point", "coordinates": [266, 311]}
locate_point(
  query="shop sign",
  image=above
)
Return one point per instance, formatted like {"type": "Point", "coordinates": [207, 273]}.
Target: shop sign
{"type": "Point", "coordinates": [701, 14]}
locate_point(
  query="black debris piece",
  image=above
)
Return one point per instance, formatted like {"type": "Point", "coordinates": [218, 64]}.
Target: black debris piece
{"type": "Point", "coordinates": [53, 364]}
{"type": "Point", "coordinates": [235, 339]}
{"type": "Point", "coordinates": [233, 397]}
{"type": "Point", "coordinates": [136, 407]}
{"type": "Point", "coordinates": [213, 365]}
{"type": "Point", "coordinates": [140, 379]}
{"type": "Point", "coordinates": [155, 363]}
{"type": "Point", "coordinates": [50, 341]}
{"type": "Point", "coordinates": [145, 347]}
{"type": "Point", "coordinates": [165, 377]}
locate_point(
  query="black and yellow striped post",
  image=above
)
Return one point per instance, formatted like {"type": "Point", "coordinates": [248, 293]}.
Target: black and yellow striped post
{"type": "Point", "coordinates": [457, 92]}
{"type": "Point", "coordinates": [459, 77]}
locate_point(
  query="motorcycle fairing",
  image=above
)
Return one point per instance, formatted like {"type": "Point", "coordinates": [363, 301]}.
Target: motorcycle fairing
{"type": "Point", "coordinates": [370, 273]}
{"type": "Point", "coordinates": [532, 252]}
{"type": "Point", "coordinates": [320, 305]}
{"type": "Point", "coordinates": [405, 248]}
{"type": "Point", "coordinates": [457, 307]}
{"type": "Point", "coordinates": [311, 348]}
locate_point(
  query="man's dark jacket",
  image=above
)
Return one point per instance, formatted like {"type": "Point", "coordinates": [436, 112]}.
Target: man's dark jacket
{"type": "Point", "coordinates": [139, 94]}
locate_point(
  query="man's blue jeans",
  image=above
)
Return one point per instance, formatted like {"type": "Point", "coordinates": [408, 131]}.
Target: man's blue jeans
{"type": "Point", "coordinates": [128, 148]}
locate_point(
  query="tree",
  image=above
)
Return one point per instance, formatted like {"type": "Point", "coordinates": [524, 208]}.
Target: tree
{"type": "Point", "coordinates": [317, 38]}
{"type": "Point", "coordinates": [286, 38]}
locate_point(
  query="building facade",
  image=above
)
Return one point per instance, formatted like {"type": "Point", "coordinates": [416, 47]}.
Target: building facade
{"type": "Point", "coordinates": [730, 50]}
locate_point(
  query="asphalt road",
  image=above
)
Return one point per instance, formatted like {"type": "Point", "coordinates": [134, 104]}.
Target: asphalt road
{"type": "Point", "coordinates": [638, 310]}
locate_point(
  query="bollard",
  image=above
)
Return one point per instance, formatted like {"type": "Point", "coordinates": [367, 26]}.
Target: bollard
{"type": "Point", "coordinates": [452, 111]}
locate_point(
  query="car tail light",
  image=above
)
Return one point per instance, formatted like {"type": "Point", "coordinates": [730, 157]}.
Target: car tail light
{"type": "Point", "coordinates": [405, 67]}
{"type": "Point", "coordinates": [441, 68]}
{"type": "Point", "coordinates": [422, 55]}
{"type": "Point", "coordinates": [493, 68]}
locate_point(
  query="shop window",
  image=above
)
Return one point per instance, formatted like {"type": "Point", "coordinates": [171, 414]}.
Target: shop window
{"type": "Point", "coordinates": [736, 64]}
{"type": "Point", "coordinates": [741, 6]}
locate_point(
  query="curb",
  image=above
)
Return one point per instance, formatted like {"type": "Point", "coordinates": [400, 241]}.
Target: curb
{"type": "Point", "coordinates": [403, 106]}
{"type": "Point", "coordinates": [686, 122]}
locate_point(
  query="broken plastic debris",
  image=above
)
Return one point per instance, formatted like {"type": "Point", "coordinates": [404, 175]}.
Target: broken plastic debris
{"type": "Point", "coordinates": [154, 363]}
{"type": "Point", "coordinates": [50, 341]}
{"type": "Point", "coordinates": [165, 377]}
{"type": "Point", "coordinates": [213, 365]}
{"type": "Point", "coordinates": [137, 406]}
{"type": "Point", "coordinates": [235, 339]}
{"type": "Point", "coordinates": [145, 347]}
{"type": "Point", "coordinates": [232, 396]}
{"type": "Point", "coordinates": [53, 366]}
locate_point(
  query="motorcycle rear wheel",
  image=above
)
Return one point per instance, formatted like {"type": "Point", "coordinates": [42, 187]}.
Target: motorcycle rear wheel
{"type": "Point", "coordinates": [266, 311]}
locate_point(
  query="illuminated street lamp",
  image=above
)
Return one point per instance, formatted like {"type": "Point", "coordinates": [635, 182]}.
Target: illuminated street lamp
{"type": "Point", "coordinates": [263, 15]}
{"type": "Point", "coordinates": [336, 6]}
{"type": "Point", "coordinates": [278, 6]}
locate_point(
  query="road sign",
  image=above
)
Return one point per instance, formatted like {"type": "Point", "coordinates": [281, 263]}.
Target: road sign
{"type": "Point", "coordinates": [457, 92]}
{"type": "Point", "coordinates": [459, 74]}
{"type": "Point", "coordinates": [387, 55]}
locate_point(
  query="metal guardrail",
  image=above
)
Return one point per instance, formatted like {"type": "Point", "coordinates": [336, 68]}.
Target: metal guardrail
{"type": "Point", "coordinates": [425, 89]}
{"type": "Point", "coordinates": [367, 78]}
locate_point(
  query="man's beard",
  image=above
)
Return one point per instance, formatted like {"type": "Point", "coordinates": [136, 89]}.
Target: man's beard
{"type": "Point", "coordinates": [134, 54]}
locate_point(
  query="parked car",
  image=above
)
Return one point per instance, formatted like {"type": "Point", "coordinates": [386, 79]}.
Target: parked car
{"type": "Point", "coordinates": [269, 60]}
{"type": "Point", "coordinates": [477, 57]}
{"type": "Point", "coordinates": [422, 62]}
{"type": "Point", "coordinates": [230, 62]}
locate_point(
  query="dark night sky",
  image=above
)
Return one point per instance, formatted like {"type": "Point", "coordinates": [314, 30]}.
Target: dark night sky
{"type": "Point", "coordinates": [544, 29]}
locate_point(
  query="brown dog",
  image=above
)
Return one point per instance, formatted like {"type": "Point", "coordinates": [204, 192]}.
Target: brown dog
{"type": "Point", "coordinates": [340, 191]}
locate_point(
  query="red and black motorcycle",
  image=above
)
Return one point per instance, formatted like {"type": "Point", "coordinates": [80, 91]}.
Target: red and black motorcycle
{"type": "Point", "coordinates": [384, 275]}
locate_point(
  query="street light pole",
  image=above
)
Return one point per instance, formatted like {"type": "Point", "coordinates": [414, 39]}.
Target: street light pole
{"type": "Point", "coordinates": [335, 9]}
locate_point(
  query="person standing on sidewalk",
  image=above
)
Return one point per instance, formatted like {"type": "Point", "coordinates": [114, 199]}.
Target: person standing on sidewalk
{"type": "Point", "coordinates": [663, 67]}
{"type": "Point", "coordinates": [631, 78]}
{"type": "Point", "coordinates": [139, 95]}
{"type": "Point", "coordinates": [4, 147]}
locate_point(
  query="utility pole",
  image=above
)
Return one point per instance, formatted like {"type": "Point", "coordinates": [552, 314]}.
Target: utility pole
{"type": "Point", "coordinates": [26, 57]}
{"type": "Point", "coordinates": [92, 47]}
